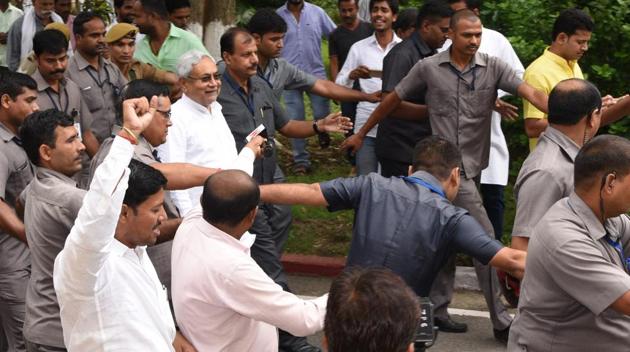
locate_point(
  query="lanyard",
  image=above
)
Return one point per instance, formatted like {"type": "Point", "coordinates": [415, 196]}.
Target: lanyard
{"type": "Point", "coordinates": [248, 99]}
{"type": "Point", "coordinates": [617, 246]}
{"type": "Point", "coordinates": [461, 75]}
{"type": "Point", "coordinates": [65, 92]}
{"type": "Point", "coordinates": [425, 184]}
{"type": "Point", "coordinates": [98, 81]}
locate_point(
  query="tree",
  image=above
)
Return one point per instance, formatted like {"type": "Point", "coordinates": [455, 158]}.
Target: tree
{"type": "Point", "coordinates": [215, 16]}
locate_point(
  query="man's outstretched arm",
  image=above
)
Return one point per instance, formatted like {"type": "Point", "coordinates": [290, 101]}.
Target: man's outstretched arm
{"type": "Point", "coordinates": [293, 193]}
{"type": "Point", "coordinates": [511, 261]}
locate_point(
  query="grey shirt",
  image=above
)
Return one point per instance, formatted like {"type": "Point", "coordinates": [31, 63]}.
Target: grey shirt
{"type": "Point", "coordinates": [244, 112]}
{"type": "Point", "coordinates": [99, 90]}
{"type": "Point", "coordinates": [16, 172]}
{"type": "Point", "coordinates": [68, 100]}
{"type": "Point", "coordinates": [572, 276]}
{"type": "Point", "coordinates": [52, 203]}
{"type": "Point", "coordinates": [281, 74]}
{"type": "Point", "coordinates": [406, 227]}
{"type": "Point", "coordinates": [14, 41]}
{"type": "Point", "coordinates": [460, 103]}
{"type": "Point", "coordinates": [545, 177]}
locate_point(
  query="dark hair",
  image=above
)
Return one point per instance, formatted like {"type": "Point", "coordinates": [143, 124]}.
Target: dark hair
{"type": "Point", "coordinates": [172, 5]}
{"type": "Point", "coordinates": [370, 310]}
{"type": "Point", "coordinates": [393, 5]}
{"type": "Point", "coordinates": [265, 21]}
{"type": "Point", "coordinates": [570, 21]}
{"type": "Point", "coordinates": [158, 7]}
{"type": "Point", "coordinates": [83, 18]}
{"type": "Point", "coordinates": [228, 196]}
{"type": "Point", "coordinates": [470, 4]}
{"type": "Point", "coordinates": [14, 83]}
{"type": "Point", "coordinates": [140, 88]}
{"type": "Point", "coordinates": [356, 2]}
{"type": "Point", "coordinates": [39, 128]}
{"type": "Point", "coordinates": [571, 100]}
{"type": "Point", "coordinates": [433, 11]}
{"type": "Point", "coordinates": [436, 156]}
{"type": "Point", "coordinates": [49, 41]}
{"type": "Point", "coordinates": [407, 18]}
{"type": "Point", "coordinates": [599, 157]}
{"type": "Point", "coordinates": [465, 14]}
{"type": "Point", "coordinates": [227, 39]}
{"type": "Point", "coordinates": [119, 3]}
{"type": "Point", "coordinates": [144, 181]}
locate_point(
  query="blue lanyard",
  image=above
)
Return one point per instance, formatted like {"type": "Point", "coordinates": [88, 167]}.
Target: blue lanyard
{"type": "Point", "coordinates": [617, 246]}
{"type": "Point", "coordinates": [248, 99]}
{"type": "Point", "coordinates": [425, 184]}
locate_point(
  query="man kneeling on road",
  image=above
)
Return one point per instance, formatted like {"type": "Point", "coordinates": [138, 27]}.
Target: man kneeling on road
{"type": "Point", "coordinates": [406, 224]}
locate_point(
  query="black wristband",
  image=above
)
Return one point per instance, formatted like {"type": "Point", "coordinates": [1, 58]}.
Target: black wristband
{"type": "Point", "coordinates": [315, 128]}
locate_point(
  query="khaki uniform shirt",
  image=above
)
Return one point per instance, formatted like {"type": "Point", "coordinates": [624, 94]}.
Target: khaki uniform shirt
{"type": "Point", "coordinates": [16, 172]}
{"type": "Point", "coordinates": [545, 177]}
{"type": "Point", "coordinates": [67, 100]}
{"type": "Point", "coordinates": [460, 103]}
{"type": "Point", "coordinates": [572, 276]}
{"type": "Point", "coordinates": [99, 90]}
{"type": "Point", "coordinates": [52, 204]}
{"type": "Point", "coordinates": [140, 70]}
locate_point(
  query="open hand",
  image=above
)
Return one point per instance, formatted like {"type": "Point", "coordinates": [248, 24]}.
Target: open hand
{"type": "Point", "coordinates": [335, 123]}
{"type": "Point", "coordinates": [508, 111]}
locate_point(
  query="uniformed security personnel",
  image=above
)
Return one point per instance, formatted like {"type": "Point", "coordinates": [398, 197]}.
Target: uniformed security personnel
{"type": "Point", "coordinates": [60, 93]}
{"type": "Point", "coordinates": [100, 81]}
{"type": "Point", "coordinates": [576, 293]}
{"type": "Point", "coordinates": [18, 95]}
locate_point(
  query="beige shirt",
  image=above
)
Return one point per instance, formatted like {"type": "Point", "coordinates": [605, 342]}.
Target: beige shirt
{"type": "Point", "coordinates": [52, 204]}
{"type": "Point", "coordinates": [100, 90]}
{"type": "Point", "coordinates": [460, 103]}
{"type": "Point", "coordinates": [224, 301]}
{"type": "Point", "coordinates": [545, 177]}
{"type": "Point", "coordinates": [572, 276]}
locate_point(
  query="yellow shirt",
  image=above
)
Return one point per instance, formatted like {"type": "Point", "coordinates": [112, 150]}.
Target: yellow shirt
{"type": "Point", "coordinates": [543, 74]}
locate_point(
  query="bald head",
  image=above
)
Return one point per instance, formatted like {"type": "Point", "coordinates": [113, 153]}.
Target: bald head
{"type": "Point", "coordinates": [228, 197]}
{"type": "Point", "coordinates": [571, 100]}
{"type": "Point", "coordinates": [464, 14]}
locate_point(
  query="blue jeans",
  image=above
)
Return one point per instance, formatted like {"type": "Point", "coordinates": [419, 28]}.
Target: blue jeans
{"type": "Point", "coordinates": [366, 160]}
{"type": "Point", "coordinates": [294, 102]}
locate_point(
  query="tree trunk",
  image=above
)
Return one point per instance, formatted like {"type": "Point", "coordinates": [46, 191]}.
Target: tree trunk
{"type": "Point", "coordinates": [215, 16]}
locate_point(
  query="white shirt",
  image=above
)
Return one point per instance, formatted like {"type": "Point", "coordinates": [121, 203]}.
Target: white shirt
{"type": "Point", "coordinates": [6, 20]}
{"type": "Point", "coordinates": [369, 53]}
{"type": "Point", "coordinates": [199, 135]}
{"type": "Point", "coordinates": [495, 44]}
{"type": "Point", "coordinates": [224, 301]}
{"type": "Point", "coordinates": [109, 295]}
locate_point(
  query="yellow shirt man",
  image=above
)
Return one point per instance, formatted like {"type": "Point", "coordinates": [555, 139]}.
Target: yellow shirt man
{"type": "Point", "coordinates": [543, 74]}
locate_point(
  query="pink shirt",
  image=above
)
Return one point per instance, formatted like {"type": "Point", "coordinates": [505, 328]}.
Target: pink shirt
{"type": "Point", "coordinates": [224, 301]}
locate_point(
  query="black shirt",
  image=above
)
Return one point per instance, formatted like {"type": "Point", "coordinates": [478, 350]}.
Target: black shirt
{"type": "Point", "coordinates": [341, 39]}
{"type": "Point", "coordinates": [406, 227]}
{"type": "Point", "coordinates": [396, 138]}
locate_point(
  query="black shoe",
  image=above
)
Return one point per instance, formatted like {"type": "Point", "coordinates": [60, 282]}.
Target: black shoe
{"type": "Point", "coordinates": [502, 335]}
{"type": "Point", "coordinates": [324, 140]}
{"type": "Point", "coordinates": [448, 325]}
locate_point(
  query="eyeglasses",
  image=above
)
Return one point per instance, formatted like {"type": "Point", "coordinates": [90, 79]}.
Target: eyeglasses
{"type": "Point", "coordinates": [206, 78]}
{"type": "Point", "coordinates": [166, 114]}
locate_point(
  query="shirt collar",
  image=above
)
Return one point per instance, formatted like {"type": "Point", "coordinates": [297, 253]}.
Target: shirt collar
{"type": "Point", "coordinates": [119, 249]}
{"type": "Point", "coordinates": [421, 46]}
{"type": "Point", "coordinates": [173, 32]}
{"type": "Point", "coordinates": [235, 86]}
{"type": "Point", "coordinates": [194, 105]}
{"type": "Point", "coordinates": [568, 146]}
{"type": "Point", "coordinates": [42, 85]}
{"type": "Point", "coordinates": [83, 64]}
{"type": "Point", "coordinates": [5, 133]}
{"type": "Point", "coordinates": [428, 178]}
{"type": "Point", "coordinates": [593, 226]}
{"type": "Point", "coordinates": [559, 60]}
{"type": "Point", "coordinates": [374, 42]}
{"type": "Point", "coordinates": [44, 172]}
{"type": "Point", "coordinates": [207, 229]}
{"type": "Point", "coordinates": [477, 60]}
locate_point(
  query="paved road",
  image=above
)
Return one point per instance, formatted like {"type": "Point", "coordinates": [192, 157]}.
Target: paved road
{"type": "Point", "coordinates": [478, 338]}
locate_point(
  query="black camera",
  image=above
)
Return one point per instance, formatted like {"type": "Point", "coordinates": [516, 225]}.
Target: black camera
{"type": "Point", "coordinates": [268, 145]}
{"type": "Point", "coordinates": [426, 333]}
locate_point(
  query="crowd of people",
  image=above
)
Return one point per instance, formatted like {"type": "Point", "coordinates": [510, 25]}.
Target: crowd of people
{"type": "Point", "coordinates": [142, 206]}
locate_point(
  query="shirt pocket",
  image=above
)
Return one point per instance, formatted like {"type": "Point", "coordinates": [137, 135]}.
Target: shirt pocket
{"type": "Point", "coordinates": [93, 97]}
{"type": "Point", "coordinates": [482, 102]}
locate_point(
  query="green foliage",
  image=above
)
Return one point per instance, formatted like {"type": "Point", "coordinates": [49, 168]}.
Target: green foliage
{"type": "Point", "coordinates": [101, 7]}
